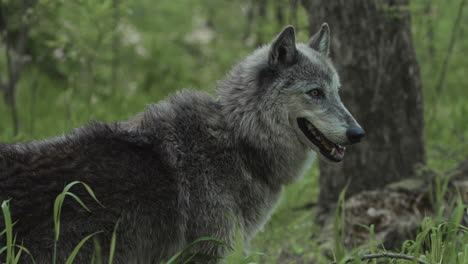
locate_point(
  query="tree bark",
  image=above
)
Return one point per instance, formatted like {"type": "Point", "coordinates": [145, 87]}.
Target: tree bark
{"type": "Point", "coordinates": [373, 52]}
{"type": "Point", "coordinates": [15, 42]}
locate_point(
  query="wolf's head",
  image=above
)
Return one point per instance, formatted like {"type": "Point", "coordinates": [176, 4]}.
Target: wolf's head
{"type": "Point", "coordinates": [291, 90]}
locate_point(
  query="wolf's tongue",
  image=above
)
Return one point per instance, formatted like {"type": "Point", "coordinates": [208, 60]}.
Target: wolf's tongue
{"type": "Point", "coordinates": [340, 151]}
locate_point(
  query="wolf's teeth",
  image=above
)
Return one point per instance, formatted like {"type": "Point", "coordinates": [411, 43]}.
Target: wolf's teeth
{"type": "Point", "coordinates": [333, 152]}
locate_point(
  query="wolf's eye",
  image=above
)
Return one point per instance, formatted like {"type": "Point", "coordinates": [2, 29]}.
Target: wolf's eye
{"type": "Point", "coordinates": [316, 93]}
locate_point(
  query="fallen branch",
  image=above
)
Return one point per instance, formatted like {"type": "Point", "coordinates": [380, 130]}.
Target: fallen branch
{"type": "Point", "coordinates": [387, 255]}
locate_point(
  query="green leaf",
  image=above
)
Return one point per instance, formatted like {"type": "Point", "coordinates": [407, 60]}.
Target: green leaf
{"type": "Point", "coordinates": [78, 200]}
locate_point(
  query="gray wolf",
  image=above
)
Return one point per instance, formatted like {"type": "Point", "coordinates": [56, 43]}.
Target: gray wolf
{"type": "Point", "coordinates": [191, 166]}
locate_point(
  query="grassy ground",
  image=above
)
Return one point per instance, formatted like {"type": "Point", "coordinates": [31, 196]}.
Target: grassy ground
{"type": "Point", "coordinates": [287, 236]}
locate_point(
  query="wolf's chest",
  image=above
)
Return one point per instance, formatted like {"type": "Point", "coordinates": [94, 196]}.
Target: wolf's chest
{"type": "Point", "coordinates": [258, 200]}
{"type": "Point", "coordinates": [257, 207]}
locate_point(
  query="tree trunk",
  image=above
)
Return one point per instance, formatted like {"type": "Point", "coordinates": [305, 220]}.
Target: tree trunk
{"type": "Point", "coordinates": [14, 42]}
{"type": "Point", "coordinates": [373, 52]}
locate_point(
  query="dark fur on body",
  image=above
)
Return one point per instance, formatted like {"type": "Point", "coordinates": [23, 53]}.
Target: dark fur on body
{"type": "Point", "coordinates": [191, 166]}
{"type": "Point", "coordinates": [174, 178]}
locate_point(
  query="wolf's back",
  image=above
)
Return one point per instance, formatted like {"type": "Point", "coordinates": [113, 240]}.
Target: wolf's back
{"type": "Point", "coordinates": [150, 172]}
{"type": "Point", "coordinates": [121, 167]}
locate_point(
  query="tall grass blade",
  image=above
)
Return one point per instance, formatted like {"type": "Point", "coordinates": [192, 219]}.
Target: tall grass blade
{"type": "Point", "coordinates": [75, 251]}
{"type": "Point", "coordinates": [4, 230]}
{"type": "Point", "coordinates": [27, 252]}
{"type": "Point", "coordinates": [97, 254]}
{"type": "Point", "coordinates": [339, 226]}
{"type": "Point", "coordinates": [9, 231]}
{"type": "Point", "coordinates": [78, 200]}
{"type": "Point", "coordinates": [58, 209]}
{"type": "Point", "coordinates": [3, 249]}
{"type": "Point", "coordinates": [18, 256]}
{"type": "Point", "coordinates": [113, 243]}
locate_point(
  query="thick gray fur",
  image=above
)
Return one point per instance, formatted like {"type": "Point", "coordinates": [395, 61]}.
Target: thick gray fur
{"type": "Point", "coordinates": [191, 166]}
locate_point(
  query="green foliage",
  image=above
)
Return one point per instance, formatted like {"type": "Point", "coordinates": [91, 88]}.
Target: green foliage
{"type": "Point", "coordinates": [75, 251]}
{"type": "Point", "coordinates": [445, 110]}
{"type": "Point", "coordinates": [441, 241]}
{"type": "Point", "coordinates": [113, 243]}
{"type": "Point", "coordinates": [61, 198]}
{"type": "Point", "coordinates": [437, 242]}
{"type": "Point", "coordinates": [10, 245]}
{"type": "Point", "coordinates": [9, 248]}
{"type": "Point", "coordinates": [58, 204]}
{"type": "Point", "coordinates": [339, 227]}
{"type": "Point", "coordinates": [9, 232]}
{"type": "Point", "coordinates": [73, 75]}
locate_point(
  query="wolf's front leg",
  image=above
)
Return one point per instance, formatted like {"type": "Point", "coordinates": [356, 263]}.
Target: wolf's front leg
{"type": "Point", "coordinates": [213, 238]}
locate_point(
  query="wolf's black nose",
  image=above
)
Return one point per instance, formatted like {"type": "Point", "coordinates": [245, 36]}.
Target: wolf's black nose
{"type": "Point", "coordinates": [355, 134]}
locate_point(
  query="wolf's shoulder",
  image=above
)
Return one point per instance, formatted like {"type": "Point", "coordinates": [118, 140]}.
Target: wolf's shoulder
{"type": "Point", "coordinates": [186, 111]}
{"type": "Point", "coordinates": [186, 102]}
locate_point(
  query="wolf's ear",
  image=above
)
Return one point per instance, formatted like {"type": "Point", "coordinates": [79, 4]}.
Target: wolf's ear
{"type": "Point", "coordinates": [321, 40]}
{"type": "Point", "coordinates": [283, 48]}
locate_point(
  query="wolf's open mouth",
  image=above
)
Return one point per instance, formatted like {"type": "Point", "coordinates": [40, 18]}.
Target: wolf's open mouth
{"type": "Point", "coordinates": [330, 150]}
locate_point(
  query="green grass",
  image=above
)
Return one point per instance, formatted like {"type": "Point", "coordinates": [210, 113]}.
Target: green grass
{"type": "Point", "coordinates": [438, 241]}
{"type": "Point", "coordinates": [10, 238]}
{"type": "Point", "coordinates": [58, 212]}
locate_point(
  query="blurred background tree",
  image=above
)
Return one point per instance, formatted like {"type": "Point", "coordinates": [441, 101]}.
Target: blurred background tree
{"type": "Point", "coordinates": [373, 51]}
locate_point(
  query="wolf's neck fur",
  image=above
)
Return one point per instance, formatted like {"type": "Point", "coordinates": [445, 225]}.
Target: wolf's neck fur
{"type": "Point", "coordinates": [259, 126]}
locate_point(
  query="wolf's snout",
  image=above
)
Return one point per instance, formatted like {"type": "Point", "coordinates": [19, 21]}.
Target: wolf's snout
{"type": "Point", "coordinates": [355, 134]}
